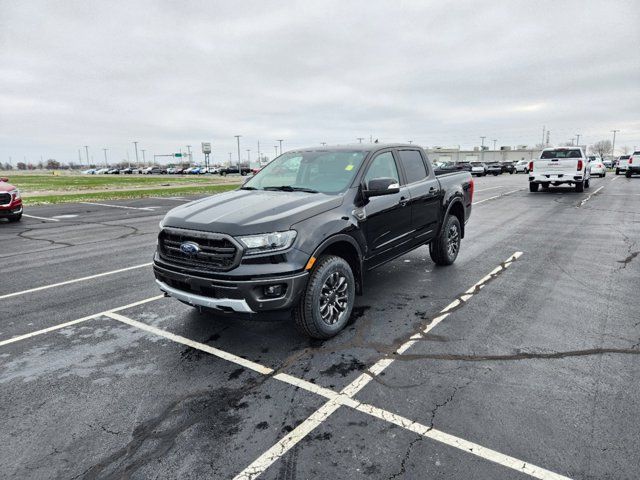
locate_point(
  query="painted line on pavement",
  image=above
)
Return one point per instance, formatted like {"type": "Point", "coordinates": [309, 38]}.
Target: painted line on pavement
{"type": "Point", "coordinates": [589, 197]}
{"type": "Point", "coordinates": [77, 321]}
{"type": "Point", "coordinates": [496, 196]}
{"type": "Point", "coordinates": [68, 282]}
{"type": "Point", "coordinates": [490, 188]}
{"type": "Point", "coordinates": [41, 218]}
{"type": "Point", "coordinates": [148, 209]}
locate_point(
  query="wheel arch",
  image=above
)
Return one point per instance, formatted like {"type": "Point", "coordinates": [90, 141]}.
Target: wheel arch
{"type": "Point", "coordinates": [346, 247]}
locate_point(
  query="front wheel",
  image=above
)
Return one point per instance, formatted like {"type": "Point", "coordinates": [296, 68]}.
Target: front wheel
{"type": "Point", "coordinates": [327, 302]}
{"type": "Point", "coordinates": [444, 249]}
{"type": "Point", "coordinates": [15, 218]}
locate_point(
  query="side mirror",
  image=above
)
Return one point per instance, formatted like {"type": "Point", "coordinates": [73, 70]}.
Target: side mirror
{"type": "Point", "coordinates": [382, 186]}
{"type": "Point", "coordinates": [4, 179]}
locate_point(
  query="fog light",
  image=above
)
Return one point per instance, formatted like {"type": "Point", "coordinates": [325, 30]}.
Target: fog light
{"type": "Point", "coordinates": [273, 290]}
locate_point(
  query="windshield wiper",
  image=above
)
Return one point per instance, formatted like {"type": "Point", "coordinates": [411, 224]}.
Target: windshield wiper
{"type": "Point", "coordinates": [248, 188]}
{"type": "Point", "coordinates": [290, 188]}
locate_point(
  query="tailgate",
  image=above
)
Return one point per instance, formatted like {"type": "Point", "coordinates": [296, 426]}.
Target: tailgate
{"type": "Point", "coordinates": [556, 166]}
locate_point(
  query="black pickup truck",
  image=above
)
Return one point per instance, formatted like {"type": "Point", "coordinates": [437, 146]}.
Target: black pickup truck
{"type": "Point", "coordinates": [233, 169]}
{"type": "Point", "coordinates": [300, 235]}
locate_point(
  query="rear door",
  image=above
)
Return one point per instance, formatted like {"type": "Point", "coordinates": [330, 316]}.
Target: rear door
{"type": "Point", "coordinates": [388, 217]}
{"type": "Point", "coordinates": [424, 189]}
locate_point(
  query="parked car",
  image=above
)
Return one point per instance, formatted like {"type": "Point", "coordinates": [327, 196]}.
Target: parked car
{"type": "Point", "coordinates": [127, 171]}
{"type": "Point", "coordinates": [522, 166]}
{"type": "Point", "coordinates": [558, 166]}
{"type": "Point", "coordinates": [608, 162]}
{"type": "Point", "coordinates": [301, 241]}
{"type": "Point", "coordinates": [233, 169]}
{"type": "Point", "coordinates": [91, 171]}
{"type": "Point", "coordinates": [479, 169]}
{"type": "Point", "coordinates": [633, 164]}
{"type": "Point", "coordinates": [10, 201]}
{"type": "Point", "coordinates": [494, 168]}
{"type": "Point", "coordinates": [102, 171]}
{"type": "Point", "coordinates": [454, 167]}
{"type": "Point", "coordinates": [113, 171]}
{"type": "Point", "coordinates": [508, 167]}
{"type": "Point", "coordinates": [155, 170]}
{"type": "Point", "coordinates": [193, 170]}
{"type": "Point", "coordinates": [622, 163]}
{"type": "Point", "coordinates": [597, 167]}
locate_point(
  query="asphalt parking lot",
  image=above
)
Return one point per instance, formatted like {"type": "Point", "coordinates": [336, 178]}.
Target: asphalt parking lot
{"type": "Point", "coordinates": [520, 360]}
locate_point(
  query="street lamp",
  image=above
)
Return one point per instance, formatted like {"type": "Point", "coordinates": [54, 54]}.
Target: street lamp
{"type": "Point", "coordinates": [494, 149]}
{"type": "Point", "coordinates": [578, 139]}
{"type": "Point", "coordinates": [106, 163]}
{"type": "Point", "coordinates": [613, 146]}
{"type": "Point", "coordinates": [249, 156]}
{"type": "Point", "coordinates": [144, 161]}
{"type": "Point", "coordinates": [482, 149]}
{"type": "Point", "coordinates": [137, 161]}
{"type": "Point", "coordinates": [280, 141]}
{"type": "Point", "coordinates": [86, 149]}
{"type": "Point", "coordinates": [276, 149]}
{"type": "Point", "coordinates": [359, 139]}
{"type": "Point", "coordinates": [238, 140]}
{"type": "Point", "coordinates": [230, 153]}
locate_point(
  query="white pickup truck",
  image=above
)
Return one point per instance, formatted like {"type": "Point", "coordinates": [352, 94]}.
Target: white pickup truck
{"type": "Point", "coordinates": [633, 165]}
{"type": "Point", "coordinates": [557, 166]}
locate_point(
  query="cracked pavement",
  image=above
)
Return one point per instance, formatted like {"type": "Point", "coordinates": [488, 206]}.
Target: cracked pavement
{"type": "Point", "coordinates": [542, 364]}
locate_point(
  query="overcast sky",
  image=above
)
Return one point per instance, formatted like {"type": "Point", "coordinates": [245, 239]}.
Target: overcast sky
{"type": "Point", "coordinates": [168, 74]}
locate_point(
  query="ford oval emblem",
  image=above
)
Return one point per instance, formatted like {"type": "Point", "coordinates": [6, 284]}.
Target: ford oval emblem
{"type": "Point", "coordinates": [189, 248]}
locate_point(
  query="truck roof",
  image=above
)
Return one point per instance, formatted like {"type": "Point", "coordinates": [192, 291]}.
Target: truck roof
{"type": "Point", "coordinates": [364, 147]}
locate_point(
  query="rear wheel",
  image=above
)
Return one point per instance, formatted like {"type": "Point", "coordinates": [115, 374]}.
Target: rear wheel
{"type": "Point", "coordinates": [587, 183]}
{"type": "Point", "coordinates": [580, 187]}
{"type": "Point", "coordinates": [533, 187]}
{"type": "Point", "coordinates": [627, 174]}
{"type": "Point", "coordinates": [444, 249]}
{"type": "Point", "coordinates": [545, 186]}
{"type": "Point", "coordinates": [327, 302]}
{"type": "Point", "coordinates": [617, 171]}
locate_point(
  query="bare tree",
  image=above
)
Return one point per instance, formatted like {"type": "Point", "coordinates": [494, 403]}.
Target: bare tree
{"type": "Point", "coordinates": [601, 148]}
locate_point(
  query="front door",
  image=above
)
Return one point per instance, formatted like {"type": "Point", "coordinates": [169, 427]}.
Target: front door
{"type": "Point", "coordinates": [388, 217]}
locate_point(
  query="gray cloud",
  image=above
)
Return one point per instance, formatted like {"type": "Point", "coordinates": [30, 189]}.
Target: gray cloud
{"type": "Point", "coordinates": [174, 73]}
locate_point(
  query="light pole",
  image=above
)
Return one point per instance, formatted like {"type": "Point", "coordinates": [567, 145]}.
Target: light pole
{"type": "Point", "coordinates": [144, 160]}
{"type": "Point", "coordinates": [249, 156]}
{"type": "Point", "coordinates": [323, 143]}
{"type": "Point", "coordinates": [106, 162]}
{"type": "Point", "coordinates": [238, 139]}
{"type": "Point", "coordinates": [86, 149]}
{"type": "Point", "coordinates": [137, 161]}
{"type": "Point", "coordinates": [578, 139]}
{"type": "Point", "coordinates": [482, 149]}
{"type": "Point", "coordinates": [230, 153]}
{"type": "Point", "coordinates": [280, 141]}
{"type": "Point", "coordinates": [494, 149]}
{"type": "Point", "coordinates": [189, 154]}
{"type": "Point", "coordinates": [410, 141]}
{"type": "Point", "coordinates": [359, 139]}
{"type": "Point", "coordinates": [613, 146]}
{"type": "Point", "coordinates": [276, 149]}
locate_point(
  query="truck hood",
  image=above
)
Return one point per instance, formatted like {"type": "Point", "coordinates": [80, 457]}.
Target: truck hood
{"type": "Point", "coordinates": [6, 187]}
{"type": "Point", "coordinates": [245, 212]}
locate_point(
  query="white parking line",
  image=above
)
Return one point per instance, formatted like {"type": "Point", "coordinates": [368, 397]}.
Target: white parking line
{"type": "Point", "coordinates": [79, 320]}
{"type": "Point", "coordinates": [589, 197]}
{"type": "Point", "coordinates": [148, 209]}
{"type": "Point", "coordinates": [497, 196]}
{"type": "Point", "coordinates": [68, 282]}
{"type": "Point", "coordinates": [41, 218]}
{"type": "Point", "coordinates": [490, 188]}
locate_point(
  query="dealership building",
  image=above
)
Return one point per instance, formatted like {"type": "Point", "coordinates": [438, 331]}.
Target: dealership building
{"type": "Point", "coordinates": [503, 154]}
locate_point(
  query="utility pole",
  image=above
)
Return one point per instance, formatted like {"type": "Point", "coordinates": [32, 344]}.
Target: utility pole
{"type": "Point", "coordinates": [137, 161]}
{"type": "Point", "coordinates": [482, 149]}
{"type": "Point", "coordinates": [613, 146]}
{"type": "Point", "coordinates": [238, 139]}
{"type": "Point", "coordinates": [360, 139]}
{"type": "Point", "coordinates": [86, 149]}
{"type": "Point", "coordinates": [494, 149]}
{"type": "Point", "coordinates": [106, 162]}
{"type": "Point", "coordinates": [280, 146]}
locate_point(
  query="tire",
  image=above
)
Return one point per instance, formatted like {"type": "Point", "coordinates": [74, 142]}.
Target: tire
{"type": "Point", "coordinates": [587, 183]}
{"type": "Point", "coordinates": [617, 171]}
{"type": "Point", "coordinates": [545, 186]}
{"type": "Point", "coordinates": [580, 187]}
{"type": "Point", "coordinates": [15, 218]}
{"type": "Point", "coordinates": [533, 187]}
{"type": "Point", "coordinates": [627, 174]}
{"type": "Point", "coordinates": [330, 271]}
{"type": "Point", "coordinates": [445, 248]}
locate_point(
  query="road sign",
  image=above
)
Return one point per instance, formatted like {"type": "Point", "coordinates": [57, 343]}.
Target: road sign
{"type": "Point", "coordinates": [206, 147]}
{"type": "Point", "coordinates": [177, 155]}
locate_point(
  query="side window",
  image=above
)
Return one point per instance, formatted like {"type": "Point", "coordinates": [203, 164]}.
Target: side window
{"type": "Point", "coordinates": [413, 165]}
{"type": "Point", "coordinates": [383, 166]}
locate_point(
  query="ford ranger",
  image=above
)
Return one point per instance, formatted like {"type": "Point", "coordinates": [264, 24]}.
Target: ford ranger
{"type": "Point", "coordinates": [10, 201]}
{"type": "Point", "coordinates": [300, 235]}
{"type": "Point", "coordinates": [557, 166]}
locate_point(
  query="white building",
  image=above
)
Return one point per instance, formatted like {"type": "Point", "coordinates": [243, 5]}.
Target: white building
{"type": "Point", "coordinates": [504, 154]}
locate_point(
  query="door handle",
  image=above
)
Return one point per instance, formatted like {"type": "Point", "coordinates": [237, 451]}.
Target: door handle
{"type": "Point", "coordinates": [403, 201]}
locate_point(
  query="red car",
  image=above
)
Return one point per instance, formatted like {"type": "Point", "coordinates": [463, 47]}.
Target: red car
{"type": "Point", "coordinates": [10, 201]}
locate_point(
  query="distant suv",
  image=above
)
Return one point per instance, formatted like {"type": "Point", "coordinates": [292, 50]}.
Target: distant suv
{"type": "Point", "coordinates": [494, 168]}
{"type": "Point", "coordinates": [622, 163]}
{"type": "Point", "coordinates": [633, 164]}
{"type": "Point", "coordinates": [10, 201]}
{"type": "Point", "coordinates": [557, 166]}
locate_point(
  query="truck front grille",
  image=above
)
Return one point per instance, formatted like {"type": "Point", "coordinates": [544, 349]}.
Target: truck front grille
{"type": "Point", "coordinates": [216, 252]}
{"type": "Point", "coordinates": [5, 198]}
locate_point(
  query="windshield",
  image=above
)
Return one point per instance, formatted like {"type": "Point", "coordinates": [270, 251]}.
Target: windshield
{"type": "Point", "coordinates": [317, 171]}
{"type": "Point", "coordinates": [561, 153]}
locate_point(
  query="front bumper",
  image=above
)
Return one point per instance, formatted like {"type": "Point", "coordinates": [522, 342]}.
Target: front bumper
{"type": "Point", "coordinates": [245, 296]}
{"type": "Point", "coordinates": [10, 210]}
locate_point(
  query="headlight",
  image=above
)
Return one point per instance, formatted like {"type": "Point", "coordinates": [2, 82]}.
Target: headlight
{"type": "Point", "coordinates": [268, 242]}
{"type": "Point", "coordinates": [16, 193]}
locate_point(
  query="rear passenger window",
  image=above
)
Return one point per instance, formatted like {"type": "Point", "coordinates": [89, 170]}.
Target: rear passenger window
{"type": "Point", "coordinates": [413, 165]}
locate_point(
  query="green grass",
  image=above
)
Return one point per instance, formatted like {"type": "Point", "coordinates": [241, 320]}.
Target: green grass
{"type": "Point", "coordinates": [65, 182]}
{"type": "Point", "coordinates": [121, 194]}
